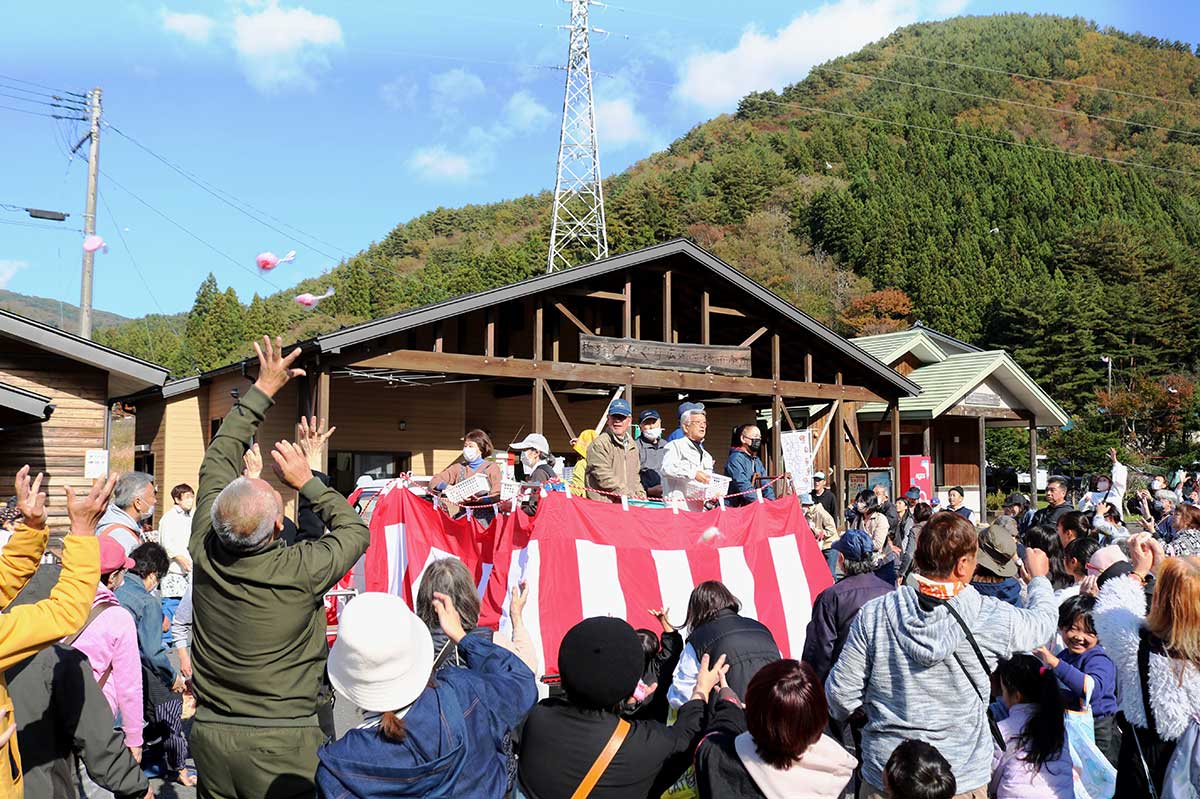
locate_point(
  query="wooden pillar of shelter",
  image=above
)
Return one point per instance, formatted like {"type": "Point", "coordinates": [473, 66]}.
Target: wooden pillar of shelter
{"type": "Point", "coordinates": [776, 410]}
{"type": "Point", "coordinates": [926, 439]}
{"type": "Point", "coordinates": [705, 326]}
{"type": "Point", "coordinates": [1033, 463]}
{"type": "Point", "coordinates": [983, 513]}
{"type": "Point", "coordinates": [322, 411]}
{"type": "Point", "coordinates": [489, 345]}
{"type": "Point", "coordinates": [897, 489]}
{"type": "Point", "coordinates": [539, 387]}
{"type": "Point", "coordinates": [837, 442]}
{"type": "Point", "coordinates": [627, 332]}
{"type": "Point", "coordinates": [668, 325]}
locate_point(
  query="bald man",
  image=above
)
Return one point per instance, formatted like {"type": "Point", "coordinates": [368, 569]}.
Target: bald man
{"type": "Point", "coordinates": [258, 646]}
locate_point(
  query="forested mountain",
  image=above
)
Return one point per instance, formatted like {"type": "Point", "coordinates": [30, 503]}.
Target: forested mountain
{"type": "Point", "coordinates": [845, 194]}
{"type": "Point", "coordinates": [56, 313]}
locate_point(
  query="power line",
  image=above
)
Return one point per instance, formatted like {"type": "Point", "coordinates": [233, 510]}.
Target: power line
{"type": "Point", "coordinates": [1052, 109]}
{"type": "Point", "coordinates": [44, 95]}
{"type": "Point", "coordinates": [41, 113]}
{"type": "Point", "coordinates": [43, 86]}
{"type": "Point", "coordinates": [1056, 81]}
{"type": "Point", "coordinates": [39, 225]}
{"type": "Point", "coordinates": [36, 101]}
{"type": "Point", "coordinates": [210, 246]}
{"type": "Point", "coordinates": [234, 201]}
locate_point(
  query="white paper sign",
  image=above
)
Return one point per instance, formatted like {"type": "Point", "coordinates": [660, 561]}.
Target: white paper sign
{"type": "Point", "coordinates": [798, 458]}
{"type": "Point", "coordinates": [95, 463]}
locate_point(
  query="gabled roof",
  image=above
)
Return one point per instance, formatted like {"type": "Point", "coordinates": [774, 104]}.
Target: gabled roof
{"type": "Point", "coordinates": [891, 347]}
{"type": "Point", "coordinates": [949, 344]}
{"type": "Point", "coordinates": [338, 340]}
{"type": "Point", "coordinates": [126, 374]}
{"type": "Point", "coordinates": [944, 384]}
{"type": "Point", "coordinates": [20, 406]}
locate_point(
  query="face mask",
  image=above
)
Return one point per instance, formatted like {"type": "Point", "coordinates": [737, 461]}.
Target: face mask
{"type": "Point", "coordinates": [754, 444]}
{"type": "Point", "coordinates": [470, 454]}
{"type": "Point", "coordinates": [1155, 485]}
{"type": "Point", "coordinates": [1102, 486]}
{"type": "Point", "coordinates": [148, 515]}
{"type": "Point", "coordinates": [651, 433]}
{"type": "Point", "coordinates": [530, 459]}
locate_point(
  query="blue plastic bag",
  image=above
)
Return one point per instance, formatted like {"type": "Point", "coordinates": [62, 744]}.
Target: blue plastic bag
{"type": "Point", "coordinates": [1094, 776]}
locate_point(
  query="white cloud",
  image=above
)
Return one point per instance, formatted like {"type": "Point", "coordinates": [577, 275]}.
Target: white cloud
{"type": "Point", "coordinates": [194, 27]}
{"type": "Point", "coordinates": [451, 89]}
{"type": "Point", "coordinates": [717, 80]}
{"type": "Point", "coordinates": [284, 48]}
{"type": "Point", "coordinates": [619, 124]}
{"type": "Point", "coordinates": [399, 94]}
{"type": "Point", "coordinates": [9, 269]}
{"type": "Point", "coordinates": [524, 113]}
{"type": "Point", "coordinates": [438, 163]}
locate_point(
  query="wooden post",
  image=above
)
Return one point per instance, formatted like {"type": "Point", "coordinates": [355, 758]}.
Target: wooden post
{"type": "Point", "coordinates": [668, 325]}
{"type": "Point", "coordinates": [839, 453]}
{"type": "Point", "coordinates": [439, 341]}
{"type": "Point", "coordinates": [926, 434]}
{"type": "Point", "coordinates": [776, 408]}
{"type": "Point", "coordinates": [489, 346]}
{"type": "Point", "coordinates": [1033, 464]}
{"type": "Point", "coordinates": [539, 388]}
{"type": "Point", "coordinates": [983, 514]}
{"type": "Point", "coordinates": [897, 489]}
{"type": "Point", "coordinates": [627, 316]}
{"type": "Point", "coordinates": [808, 367]}
{"type": "Point", "coordinates": [705, 331]}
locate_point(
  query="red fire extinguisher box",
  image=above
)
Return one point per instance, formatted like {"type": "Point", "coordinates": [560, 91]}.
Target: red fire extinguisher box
{"type": "Point", "coordinates": [915, 470]}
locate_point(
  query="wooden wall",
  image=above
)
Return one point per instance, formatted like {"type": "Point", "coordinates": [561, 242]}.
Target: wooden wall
{"type": "Point", "coordinates": [56, 447]}
{"type": "Point", "coordinates": [960, 461]}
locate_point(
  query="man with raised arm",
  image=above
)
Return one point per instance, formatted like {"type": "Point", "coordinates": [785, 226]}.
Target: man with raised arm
{"type": "Point", "coordinates": [258, 634]}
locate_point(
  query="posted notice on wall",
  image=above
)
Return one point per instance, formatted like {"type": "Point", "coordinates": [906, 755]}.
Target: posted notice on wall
{"type": "Point", "coordinates": [95, 463]}
{"type": "Point", "coordinates": [798, 458]}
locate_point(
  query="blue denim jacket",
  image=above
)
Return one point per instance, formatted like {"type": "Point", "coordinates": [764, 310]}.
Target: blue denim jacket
{"type": "Point", "coordinates": [148, 615]}
{"type": "Point", "coordinates": [740, 469]}
{"type": "Point", "coordinates": [454, 747]}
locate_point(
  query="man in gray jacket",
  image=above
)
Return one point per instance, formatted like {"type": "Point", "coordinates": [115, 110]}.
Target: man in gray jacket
{"type": "Point", "coordinates": [910, 664]}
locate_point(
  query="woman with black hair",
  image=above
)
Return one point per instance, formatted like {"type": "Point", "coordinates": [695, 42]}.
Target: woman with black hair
{"type": "Point", "coordinates": [872, 519]}
{"type": "Point", "coordinates": [1036, 761]}
{"type": "Point", "coordinates": [1072, 525]}
{"type": "Point", "coordinates": [1044, 537]}
{"type": "Point", "coordinates": [715, 629]}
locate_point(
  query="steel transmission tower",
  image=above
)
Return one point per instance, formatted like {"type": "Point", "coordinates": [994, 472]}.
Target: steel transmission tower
{"type": "Point", "coordinates": [578, 221]}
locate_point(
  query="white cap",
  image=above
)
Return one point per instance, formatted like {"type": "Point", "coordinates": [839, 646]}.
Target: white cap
{"type": "Point", "coordinates": [532, 441]}
{"type": "Point", "coordinates": [818, 475]}
{"type": "Point", "coordinates": [383, 656]}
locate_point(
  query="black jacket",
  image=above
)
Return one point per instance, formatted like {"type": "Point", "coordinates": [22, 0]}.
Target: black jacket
{"type": "Point", "coordinates": [832, 615]}
{"type": "Point", "coordinates": [1050, 514]}
{"type": "Point", "coordinates": [828, 500]}
{"type": "Point", "coordinates": [746, 644]}
{"type": "Point", "coordinates": [719, 771]}
{"type": "Point", "coordinates": [560, 742]}
{"type": "Point", "coordinates": [661, 670]}
{"type": "Point", "coordinates": [60, 713]}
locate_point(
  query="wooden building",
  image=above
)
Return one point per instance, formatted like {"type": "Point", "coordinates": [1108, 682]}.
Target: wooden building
{"type": "Point", "coordinates": [55, 393]}
{"type": "Point", "coordinates": [546, 354]}
{"type": "Point", "coordinates": [964, 391]}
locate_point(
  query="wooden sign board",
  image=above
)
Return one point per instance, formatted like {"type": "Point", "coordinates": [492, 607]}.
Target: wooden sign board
{"type": "Point", "coordinates": [713, 359]}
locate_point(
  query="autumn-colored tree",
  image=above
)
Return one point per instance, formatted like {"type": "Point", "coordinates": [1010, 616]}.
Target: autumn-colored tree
{"type": "Point", "coordinates": [883, 311]}
{"type": "Point", "coordinates": [1153, 413]}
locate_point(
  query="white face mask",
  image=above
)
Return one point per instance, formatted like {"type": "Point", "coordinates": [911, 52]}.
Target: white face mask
{"type": "Point", "coordinates": [1155, 485]}
{"type": "Point", "coordinates": [651, 433]}
{"type": "Point", "coordinates": [1102, 486]}
{"type": "Point", "coordinates": [530, 459]}
{"type": "Point", "coordinates": [470, 454]}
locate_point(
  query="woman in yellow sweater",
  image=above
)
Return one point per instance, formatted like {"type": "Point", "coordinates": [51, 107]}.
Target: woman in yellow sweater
{"type": "Point", "coordinates": [27, 629]}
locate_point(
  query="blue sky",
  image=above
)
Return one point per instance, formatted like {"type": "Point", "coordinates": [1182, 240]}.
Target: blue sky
{"type": "Point", "coordinates": [336, 121]}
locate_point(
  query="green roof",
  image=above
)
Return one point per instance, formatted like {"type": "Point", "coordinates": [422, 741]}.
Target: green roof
{"type": "Point", "coordinates": [891, 347]}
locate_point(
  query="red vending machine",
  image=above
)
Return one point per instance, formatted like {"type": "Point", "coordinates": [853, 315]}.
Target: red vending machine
{"type": "Point", "coordinates": [915, 470]}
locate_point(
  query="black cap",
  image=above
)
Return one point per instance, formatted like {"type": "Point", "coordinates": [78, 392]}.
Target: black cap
{"type": "Point", "coordinates": [649, 413]}
{"type": "Point", "coordinates": [600, 660]}
{"type": "Point", "coordinates": [1014, 499]}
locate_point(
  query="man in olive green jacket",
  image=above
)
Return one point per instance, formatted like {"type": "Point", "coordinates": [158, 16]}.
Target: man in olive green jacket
{"type": "Point", "coordinates": [613, 462]}
{"type": "Point", "coordinates": [258, 648]}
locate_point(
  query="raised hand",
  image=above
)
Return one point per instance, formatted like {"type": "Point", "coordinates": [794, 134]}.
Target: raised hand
{"type": "Point", "coordinates": [290, 465]}
{"type": "Point", "coordinates": [85, 512]}
{"type": "Point", "coordinates": [253, 462]}
{"type": "Point", "coordinates": [274, 368]}
{"type": "Point", "coordinates": [661, 615]}
{"type": "Point", "coordinates": [31, 500]}
{"type": "Point", "coordinates": [448, 617]}
{"type": "Point", "coordinates": [314, 437]}
{"type": "Point", "coordinates": [520, 595]}
{"type": "Point", "coordinates": [1037, 562]}
{"type": "Point", "coordinates": [709, 677]}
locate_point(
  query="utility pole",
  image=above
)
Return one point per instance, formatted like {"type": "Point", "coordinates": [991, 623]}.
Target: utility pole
{"type": "Point", "coordinates": [578, 220]}
{"type": "Point", "coordinates": [89, 216]}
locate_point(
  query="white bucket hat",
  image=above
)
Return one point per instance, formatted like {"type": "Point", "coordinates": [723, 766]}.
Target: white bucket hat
{"type": "Point", "coordinates": [383, 656]}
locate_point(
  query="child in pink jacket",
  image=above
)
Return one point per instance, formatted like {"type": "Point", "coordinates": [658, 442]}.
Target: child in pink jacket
{"type": "Point", "coordinates": [109, 639]}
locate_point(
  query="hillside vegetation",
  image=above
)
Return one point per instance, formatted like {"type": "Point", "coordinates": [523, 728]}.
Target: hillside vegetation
{"type": "Point", "coordinates": [994, 235]}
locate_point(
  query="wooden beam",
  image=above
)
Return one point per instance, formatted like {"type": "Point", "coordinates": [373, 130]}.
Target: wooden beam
{"type": "Point", "coordinates": [787, 417]}
{"type": "Point", "coordinates": [668, 326]}
{"type": "Point", "coordinates": [595, 295]}
{"type": "Point", "coordinates": [808, 366]}
{"type": "Point", "coordinates": [777, 442]}
{"type": "Point", "coordinates": [517, 368]}
{"type": "Point", "coordinates": [755, 336]}
{"type": "Point", "coordinates": [838, 453]}
{"type": "Point", "coordinates": [1033, 464]}
{"type": "Point", "coordinates": [562, 417]}
{"type": "Point", "coordinates": [983, 470]}
{"type": "Point", "coordinates": [627, 316]}
{"type": "Point", "coordinates": [717, 309]}
{"type": "Point", "coordinates": [926, 438]}
{"type": "Point", "coordinates": [539, 330]}
{"type": "Point", "coordinates": [489, 346]}
{"type": "Point", "coordinates": [897, 489]}
{"type": "Point", "coordinates": [439, 341]}
{"type": "Point", "coordinates": [573, 319]}
{"type": "Point", "coordinates": [857, 448]}
{"type": "Point", "coordinates": [705, 328]}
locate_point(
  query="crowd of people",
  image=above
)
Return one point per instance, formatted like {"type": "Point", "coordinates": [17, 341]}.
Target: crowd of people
{"type": "Point", "coordinates": [1050, 651]}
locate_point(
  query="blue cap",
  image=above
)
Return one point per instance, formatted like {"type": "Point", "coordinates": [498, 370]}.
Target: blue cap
{"type": "Point", "coordinates": [619, 407]}
{"type": "Point", "coordinates": [855, 545]}
{"type": "Point", "coordinates": [690, 406]}
{"type": "Point", "coordinates": [647, 414]}
{"type": "Point", "coordinates": [807, 499]}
